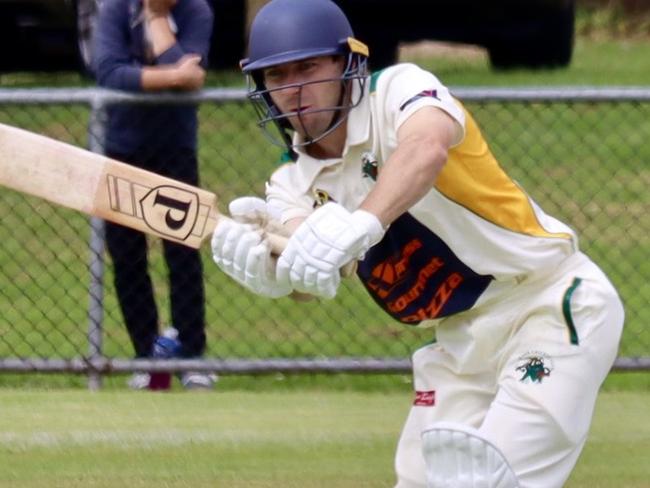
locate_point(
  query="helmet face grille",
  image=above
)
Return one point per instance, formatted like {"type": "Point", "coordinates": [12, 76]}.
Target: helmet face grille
{"type": "Point", "coordinates": [276, 125]}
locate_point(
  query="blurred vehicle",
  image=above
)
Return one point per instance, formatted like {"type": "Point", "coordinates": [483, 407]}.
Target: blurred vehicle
{"type": "Point", "coordinates": [47, 35]}
{"type": "Point", "coordinates": [38, 35]}
{"type": "Point", "coordinates": [516, 33]}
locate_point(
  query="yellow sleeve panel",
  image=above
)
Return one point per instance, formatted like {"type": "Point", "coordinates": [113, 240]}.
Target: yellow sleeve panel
{"type": "Point", "coordinates": [473, 178]}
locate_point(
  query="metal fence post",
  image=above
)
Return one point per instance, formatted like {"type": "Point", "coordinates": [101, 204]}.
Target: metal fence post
{"type": "Point", "coordinates": [96, 132]}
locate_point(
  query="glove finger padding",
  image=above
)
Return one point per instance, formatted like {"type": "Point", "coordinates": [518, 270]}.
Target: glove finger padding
{"type": "Point", "coordinates": [256, 266]}
{"type": "Point", "coordinates": [240, 251]}
{"type": "Point", "coordinates": [307, 277]}
{"type": "Point", "coordinates": [326, 241]}
{"type": "Point", "coordinates": [246, 243]}
{"type": "Point", "coordinates": [260, 273]}
{"type": "Point", "coordinates": [253, 210]}
{"type": "Point", "coordinates": [248, 210]}
{"type": "Point", "coordinates": [229, 241]}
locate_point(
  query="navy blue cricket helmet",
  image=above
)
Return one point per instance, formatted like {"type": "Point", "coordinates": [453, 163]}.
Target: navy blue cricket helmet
{"type": "Point", "coordinates": [285, 31]}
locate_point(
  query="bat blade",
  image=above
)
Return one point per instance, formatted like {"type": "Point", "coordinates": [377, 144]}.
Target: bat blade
{"type": "Point", "coordinates": [96, 185]}
{"type": "Point", "coordinates": [75, 178]}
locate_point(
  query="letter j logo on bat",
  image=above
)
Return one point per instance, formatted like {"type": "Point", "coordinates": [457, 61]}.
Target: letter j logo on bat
{"type": "Point", "coordinates": [170, 211]}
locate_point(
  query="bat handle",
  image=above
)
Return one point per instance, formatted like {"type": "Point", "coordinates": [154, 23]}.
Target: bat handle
{"type": "Point", "coordinates": [279, 243]}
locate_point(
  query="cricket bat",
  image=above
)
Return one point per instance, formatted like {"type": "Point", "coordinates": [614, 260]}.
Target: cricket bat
{"type": "Point", "coordinates": [118, 192]}
{"type": "Point", "coordinates": [96, 185]}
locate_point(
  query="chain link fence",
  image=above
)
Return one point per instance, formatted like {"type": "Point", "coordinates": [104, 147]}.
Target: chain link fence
{"type": "Point", "coordinates": [581, 153]}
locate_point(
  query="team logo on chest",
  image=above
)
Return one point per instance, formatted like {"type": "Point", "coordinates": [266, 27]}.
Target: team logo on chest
{"type": "Point", "coordinates": [534, 366]}
{"type": "Point", "coordinates": [321, 197]}
{"type": "Point", "coordinates": [369, 165]}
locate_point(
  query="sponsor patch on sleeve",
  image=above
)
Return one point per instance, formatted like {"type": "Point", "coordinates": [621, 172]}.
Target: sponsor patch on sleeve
{"type": "Point", "coordinates": [422, 94]}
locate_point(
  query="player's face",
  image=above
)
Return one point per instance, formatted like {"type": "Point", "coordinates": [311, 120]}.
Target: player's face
{"type": "Point", "coordinates": [308, 91]}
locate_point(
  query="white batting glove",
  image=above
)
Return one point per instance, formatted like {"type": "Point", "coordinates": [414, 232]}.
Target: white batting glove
{"type": "Point", "coordinates": [327, 240]}
{"type": "Point", "coordinates": [253, 210]}
{"type": "Point", "coordinates": [241, 252]}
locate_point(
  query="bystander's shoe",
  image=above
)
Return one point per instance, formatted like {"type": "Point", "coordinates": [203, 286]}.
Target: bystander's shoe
{"type": "Point", "coordinates": [166, 346]}
{"type": "Point", "coordinates": [197, 380]}
{"type": "Point", "coordinates": [139, 380]}
{"type": "Point", "coordinates": [192, 380]}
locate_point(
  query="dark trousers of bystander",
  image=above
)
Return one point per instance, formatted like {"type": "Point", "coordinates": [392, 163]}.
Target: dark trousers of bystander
{"type": "Point", "coordinates": [133, 284]}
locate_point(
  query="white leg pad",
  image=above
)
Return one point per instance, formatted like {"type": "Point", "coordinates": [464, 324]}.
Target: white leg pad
{"type": "Point", "coordinates": [456, 456]}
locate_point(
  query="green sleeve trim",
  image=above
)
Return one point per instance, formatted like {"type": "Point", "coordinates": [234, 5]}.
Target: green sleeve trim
{"type": "Point", "coordinates": [286, 157]}
{"type": "Point", "coordinates": [373, 80]}
{"type": "Point", "coordinates": [566, 311]}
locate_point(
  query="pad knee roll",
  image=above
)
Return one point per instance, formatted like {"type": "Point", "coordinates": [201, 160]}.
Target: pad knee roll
{"type": "Point", "coordinates": [457, 456]}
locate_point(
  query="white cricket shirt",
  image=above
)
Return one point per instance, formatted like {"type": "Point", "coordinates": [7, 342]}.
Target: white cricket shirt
{"type": "Point", "coordinates": [475, 234]}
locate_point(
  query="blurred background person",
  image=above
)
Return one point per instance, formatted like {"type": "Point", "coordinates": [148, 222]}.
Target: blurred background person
{"type": "Point", "coordinates": [153, 46]}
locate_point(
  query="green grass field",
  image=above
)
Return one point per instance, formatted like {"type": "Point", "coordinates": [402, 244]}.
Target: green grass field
{"type": "Point", "coordinates": [309, 438]}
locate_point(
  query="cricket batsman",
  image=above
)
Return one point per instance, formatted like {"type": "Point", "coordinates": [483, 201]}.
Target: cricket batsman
{"type": "Point", "coordinates": [390, 170]}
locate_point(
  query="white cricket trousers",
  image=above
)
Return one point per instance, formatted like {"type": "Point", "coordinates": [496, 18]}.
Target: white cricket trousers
{"type": "Point", "coordinates": [524, 371]}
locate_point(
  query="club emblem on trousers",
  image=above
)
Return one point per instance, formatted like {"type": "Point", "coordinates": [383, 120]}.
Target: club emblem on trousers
{"type": "Point", "coordinates": [534, 366]}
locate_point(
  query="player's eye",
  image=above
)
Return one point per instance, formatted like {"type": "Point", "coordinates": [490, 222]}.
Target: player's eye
{"type": "Point", "coordinates": [308, 65]}
{"type": "Point", "coordinates": [272, 75]}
